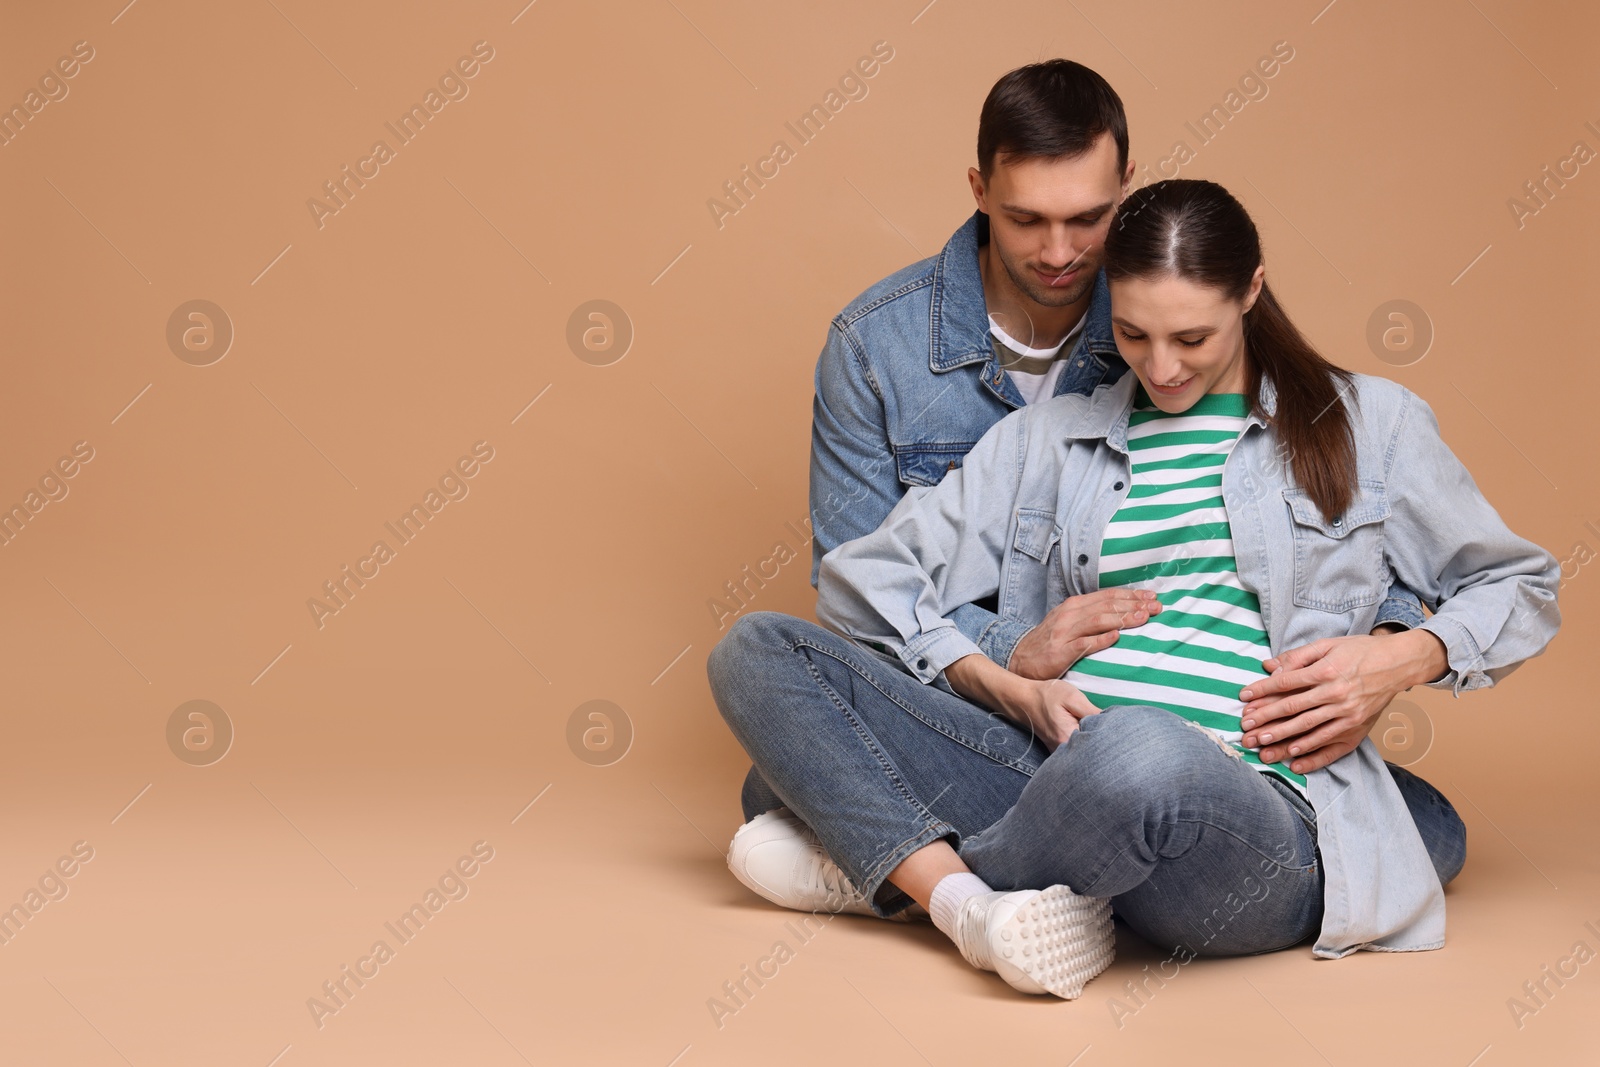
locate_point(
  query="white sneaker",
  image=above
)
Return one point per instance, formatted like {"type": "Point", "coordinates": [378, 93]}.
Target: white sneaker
{"type": "Point", "coordinates": [778, 857]}
{"type": "Point", "coordinates": [1038, 940]}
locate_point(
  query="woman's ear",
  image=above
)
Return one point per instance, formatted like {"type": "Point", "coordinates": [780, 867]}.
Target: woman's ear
{"type": "Point", "coordinates": [1257, 280]}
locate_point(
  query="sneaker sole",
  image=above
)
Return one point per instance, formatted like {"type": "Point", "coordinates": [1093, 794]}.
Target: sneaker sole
{"type": "Point", "coordinates": [1055, 943]}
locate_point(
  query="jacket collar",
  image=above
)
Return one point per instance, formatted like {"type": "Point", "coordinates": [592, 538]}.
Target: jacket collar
{"type": "Point", "coordinates": [960, 319]}
{"type": "Point", "coordinates": [1267, 402]}
{"type": "Point", "coordinates": [1111, 405]}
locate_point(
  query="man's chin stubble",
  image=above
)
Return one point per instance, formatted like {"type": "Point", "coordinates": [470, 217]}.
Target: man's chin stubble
{"type": "Point", "coordinates": [1057, 298]}
{"type": "Point", "coordinates": [1044, 295]}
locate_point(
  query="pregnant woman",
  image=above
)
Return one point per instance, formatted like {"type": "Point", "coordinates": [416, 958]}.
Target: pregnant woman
{"type": "Point", "coordinates": [1266, 499]}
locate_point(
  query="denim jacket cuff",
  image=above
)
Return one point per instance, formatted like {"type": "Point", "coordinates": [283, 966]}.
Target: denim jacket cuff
{"type": "Point", "coordinates": [995, 635]}
{"type": "Point", "coordinates": [1461, 652]}
{"type": "Point", "coordinates": [1399, 611]}
{"type": "Point", "coordinates": [928, 654]}
{"type": "Point", "coordinates": [1000, 639]}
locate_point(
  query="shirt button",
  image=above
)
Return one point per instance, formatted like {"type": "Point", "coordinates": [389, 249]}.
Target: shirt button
{"type": "Point", "coordinates": [922, 664]}
{"type": "Point", "coordinates": [1082, 559]}
{"type": "Point", "coordinates": [1080, 362]}
{"type": "Point", "coordinates": [1339, 521]}
{"type": "Point", "coordinates": [1117, 487]}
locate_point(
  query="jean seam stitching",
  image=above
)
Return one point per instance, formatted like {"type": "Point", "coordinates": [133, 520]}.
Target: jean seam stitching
{"type": "Point", "coordinates": [861, 672]}
{"type": "Point", "coordinates": [866, 738]}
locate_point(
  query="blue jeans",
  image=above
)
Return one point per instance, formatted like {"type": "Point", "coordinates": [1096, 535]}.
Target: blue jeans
{"type": "Point", "coordinates": [1196, 849]}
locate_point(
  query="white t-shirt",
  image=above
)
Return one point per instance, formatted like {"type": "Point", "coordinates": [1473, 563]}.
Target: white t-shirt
{"type": "Point", "coordinates": [1034, 371]}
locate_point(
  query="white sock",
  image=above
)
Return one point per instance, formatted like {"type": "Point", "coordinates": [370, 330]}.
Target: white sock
{"type": "Point", "coordinates": [953, 891]}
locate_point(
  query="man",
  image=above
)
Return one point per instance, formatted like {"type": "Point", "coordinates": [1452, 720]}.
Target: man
{"type": "Point", "coordinates": [1015, 310]}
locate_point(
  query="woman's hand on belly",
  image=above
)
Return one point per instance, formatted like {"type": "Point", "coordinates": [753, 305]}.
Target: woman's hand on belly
{"type": "Point", "coordinates": [1080, 626]}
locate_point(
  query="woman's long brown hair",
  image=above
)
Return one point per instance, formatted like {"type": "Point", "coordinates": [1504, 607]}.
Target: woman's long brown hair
{"type": "Point", "coordinates": [1197, 231]}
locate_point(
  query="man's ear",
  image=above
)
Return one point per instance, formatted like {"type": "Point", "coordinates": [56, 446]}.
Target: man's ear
{"type": "Point", "coordinates": [975, 178]}
{"type": "Point", "coordinates": [1127, 179]}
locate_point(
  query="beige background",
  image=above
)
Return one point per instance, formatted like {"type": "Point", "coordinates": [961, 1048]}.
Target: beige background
{"type": "Point", "coordinates": [432, 310]}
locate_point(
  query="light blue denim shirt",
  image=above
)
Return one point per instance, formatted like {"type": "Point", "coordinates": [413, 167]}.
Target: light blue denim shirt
{"type": "Point", "coordinates": [906, 384]}
{"type": "Point", "coordinates": [1024, 518]}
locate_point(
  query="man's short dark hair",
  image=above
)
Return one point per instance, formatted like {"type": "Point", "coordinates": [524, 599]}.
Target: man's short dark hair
{"type": "Point", "coordinates": [1057, 109]}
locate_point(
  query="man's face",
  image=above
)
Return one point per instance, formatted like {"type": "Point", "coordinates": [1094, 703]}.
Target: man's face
{"type": "Point", "coordinates": [1048, 219]}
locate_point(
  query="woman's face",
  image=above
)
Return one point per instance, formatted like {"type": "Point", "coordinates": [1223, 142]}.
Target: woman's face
{"type": "Point", "coordinates": [1182, 339]}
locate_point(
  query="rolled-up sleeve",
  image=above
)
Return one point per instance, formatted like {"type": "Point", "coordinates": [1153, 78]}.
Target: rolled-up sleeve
{"type": "Point", "coordinates": [1495, 591]}
{"type": "Point", "coordinates": [1401, 607]}
{"type": "Point", "coordinates": [939, 548]}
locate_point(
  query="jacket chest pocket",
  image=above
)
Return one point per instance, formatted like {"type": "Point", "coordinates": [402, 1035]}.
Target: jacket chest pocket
{"type": "Point", "coordinates": [1338, 562]}
{"type": "Point", "coordinates": [923, 465]}
{"type": "Point", "coordinates": [1033, 564]}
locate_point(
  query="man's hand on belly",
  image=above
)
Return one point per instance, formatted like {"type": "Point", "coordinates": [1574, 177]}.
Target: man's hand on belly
{"type": "Point", "coordinates": [1079, 626]}
{"type": "Point", "coordinates": [1322, 699]}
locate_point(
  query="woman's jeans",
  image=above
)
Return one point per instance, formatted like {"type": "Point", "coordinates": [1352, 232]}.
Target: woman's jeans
{"type": "Point", "coordinates": [1197, 850]}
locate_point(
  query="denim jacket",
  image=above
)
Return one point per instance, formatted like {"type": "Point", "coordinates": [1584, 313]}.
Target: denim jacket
{"type": "Point", "coordinates": [906, 384]}
{"type": "Point", "coordinates": [1023, 519]}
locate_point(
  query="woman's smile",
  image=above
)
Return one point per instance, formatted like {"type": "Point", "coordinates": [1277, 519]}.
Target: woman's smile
{"type": "Point", "coordinates": [1172, 388]}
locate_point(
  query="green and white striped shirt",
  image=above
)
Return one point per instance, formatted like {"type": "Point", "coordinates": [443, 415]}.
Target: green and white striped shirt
{"type": "Point", "coordinates": [1171, 535]}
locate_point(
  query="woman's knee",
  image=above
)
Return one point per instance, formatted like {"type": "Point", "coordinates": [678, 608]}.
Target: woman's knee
{"type": "Point", "coordinates": [1126, 756]}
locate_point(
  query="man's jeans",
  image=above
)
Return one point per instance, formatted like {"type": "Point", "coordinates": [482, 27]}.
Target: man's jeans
{"type": "Point", "coordinates": [1197, 850]}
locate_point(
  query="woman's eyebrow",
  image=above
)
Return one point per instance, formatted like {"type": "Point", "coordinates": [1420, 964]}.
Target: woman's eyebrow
{"type": "Point", "coordinates": [1125, 324]}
